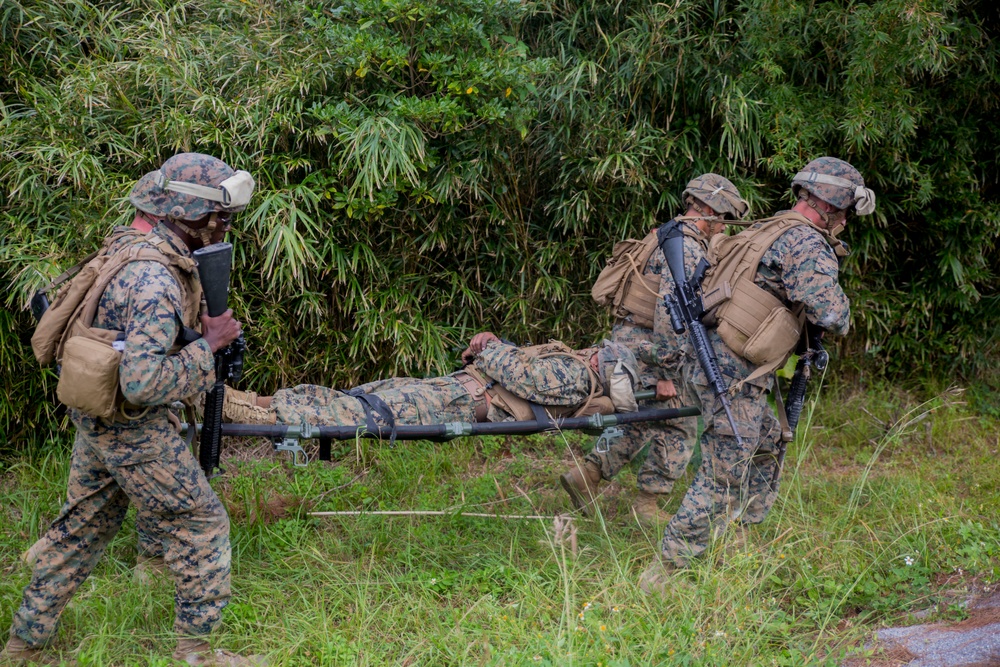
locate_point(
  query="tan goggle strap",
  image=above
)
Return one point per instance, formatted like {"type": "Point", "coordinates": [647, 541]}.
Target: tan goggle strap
{"type": "Point", "coordinates": [234, 192]}
{"type": "Point", "coordinates": [738, 203]}
{"type": "Point", "coordinates": [864, 198]}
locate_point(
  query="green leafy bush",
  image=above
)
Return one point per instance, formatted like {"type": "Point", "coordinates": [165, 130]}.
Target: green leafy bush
{"type": "Point", "coordinates": [427, 169]}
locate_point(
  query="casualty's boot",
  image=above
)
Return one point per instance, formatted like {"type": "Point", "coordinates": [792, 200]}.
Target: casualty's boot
{"type": "Point", "coordinates": [647, 510]}
{"type": "Point", "coordinates": [17, 652]}
{"type": "Point", "coordinates": [581, 484]}
{"type": "Point", "coordinates": [242, 407]}
{"type": "Point", "coordinates": [149, 569]}
{"type": "Point", "coordinates": [197, 652]}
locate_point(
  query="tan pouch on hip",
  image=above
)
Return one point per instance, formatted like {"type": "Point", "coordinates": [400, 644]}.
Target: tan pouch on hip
{"type": "Point", "coordinates": [88, 380]}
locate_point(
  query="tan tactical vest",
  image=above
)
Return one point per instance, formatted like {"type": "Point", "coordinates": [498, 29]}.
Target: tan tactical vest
{"type": "Point", "coordinates": [521, 409]}
{"type": "Point", "coordinates": [754, 323]}
{"type": "Point", "coordinates": [623, 283]}
{"type": "Point", "coordinates": [88, 379]}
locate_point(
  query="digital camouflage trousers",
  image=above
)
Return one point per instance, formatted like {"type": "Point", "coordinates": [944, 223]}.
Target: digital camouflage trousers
{"type": "Point", "coordinates": [144, 462]}
{"type": "Point", "coordinates": [734, 482]}
{"type": "Point", "coordinates": [671, 444]}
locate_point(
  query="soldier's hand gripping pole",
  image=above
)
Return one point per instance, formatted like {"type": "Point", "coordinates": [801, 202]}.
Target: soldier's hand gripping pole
{"type": "Point", "coordinates": [686, 309]}
{"type": "Point", "coordinates": [214, 264]}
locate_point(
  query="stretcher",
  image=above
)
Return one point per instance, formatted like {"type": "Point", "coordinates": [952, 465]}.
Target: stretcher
{"type": "Point", "coordinates": [288, 437]}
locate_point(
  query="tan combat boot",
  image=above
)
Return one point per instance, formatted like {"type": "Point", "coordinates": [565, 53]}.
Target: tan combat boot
{"type": "Point", "coordinates": [149, 569]}
{"type": "Point", "coordinates": [198, 653]}
{"type": "Point", "coordinates": [242, 407]}
{"type": "Point", "coordinates": [17, 652]}
{"type": "Point", "coordinates": [660, 577]}
{"type": "Point", "coordinates": [646, 509]}
{"type": "Point", "coordinates": [581, 484]}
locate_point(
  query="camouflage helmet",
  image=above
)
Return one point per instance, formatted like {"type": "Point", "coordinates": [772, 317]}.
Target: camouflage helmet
{"type": "Point", "coordinates": [619, 374]}
{"type": "Point", "coordinates": [837, 183]}
{"type": "Point", "coordinates": [719, 193]}
{"type": "Point", "coordinates": [189, 186]}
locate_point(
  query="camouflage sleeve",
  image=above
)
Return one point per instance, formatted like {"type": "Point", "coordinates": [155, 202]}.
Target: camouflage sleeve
{"type": "Point", "coordinates": [810, 271]}
{"type": "Point", "coordinates": [557, 380]}
{"type": "Point", "coordinates": [657, 353]}
{"type": "Point", "coordinates": [149, 375]}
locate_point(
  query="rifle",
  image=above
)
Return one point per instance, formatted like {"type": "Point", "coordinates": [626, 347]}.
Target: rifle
{"type": "Point", "coordinates": [686, 310]}
{"type": "Point", "coordinates": [214, 265]}
{"type": "Point", "coordinates": [815, 356]}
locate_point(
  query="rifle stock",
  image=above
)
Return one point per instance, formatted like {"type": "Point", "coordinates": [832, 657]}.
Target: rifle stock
{"type": "Point", "coordinates": [214, 266]}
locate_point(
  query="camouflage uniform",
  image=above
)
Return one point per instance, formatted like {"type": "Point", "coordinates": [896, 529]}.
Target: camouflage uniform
{"type": "Point", "coordinates": [671, 443]}
{"type": "Point", "coordinates": [552, 381]}
{"type": "Point", "coordinates": [142, 460]}
{"type": "Point", "coordinates": [800, 267]}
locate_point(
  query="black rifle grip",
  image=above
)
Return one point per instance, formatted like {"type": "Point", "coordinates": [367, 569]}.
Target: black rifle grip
{"type": "Point", "coordinates": [214, 265]}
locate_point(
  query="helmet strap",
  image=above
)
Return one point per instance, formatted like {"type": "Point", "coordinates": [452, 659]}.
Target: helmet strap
{"type": "Point", "coordinates": [808, 198]}
{"type": "Point", "coordinates": [704, 211]}
{"type": "Point", "coordinates": [205, 233]}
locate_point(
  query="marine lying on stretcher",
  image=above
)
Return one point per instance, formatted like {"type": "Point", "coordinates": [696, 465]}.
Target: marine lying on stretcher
{"type": "Point", "coordinates": [498, 384]}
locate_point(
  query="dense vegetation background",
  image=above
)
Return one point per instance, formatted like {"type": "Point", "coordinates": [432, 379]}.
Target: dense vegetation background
{"type": "Point", "coordinates": [428, 168]}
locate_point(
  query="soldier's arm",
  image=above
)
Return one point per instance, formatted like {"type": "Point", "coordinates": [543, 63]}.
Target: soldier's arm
{"type": "Point", "coordinates": [659, 353]}
{"type": "Point", "coordinates": [504, 363]}
{"type": "Point", "coordinates": [149, 375]}
{"type": "Point", "coordinates": [810, 277]}
{"type": "Point", "coordinates": [555, 381]}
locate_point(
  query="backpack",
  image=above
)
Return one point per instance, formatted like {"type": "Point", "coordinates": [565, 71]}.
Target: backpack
{"type": "Point", "coordinates": [623, 283]}
{"type": "Point", "coordinates": [89, 356]}
{"type": "Point", "coordinates": [624, 286]}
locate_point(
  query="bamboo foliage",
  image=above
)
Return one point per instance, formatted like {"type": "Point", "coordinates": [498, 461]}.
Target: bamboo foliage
{"type": "Point", "coordinates": [428, 169]}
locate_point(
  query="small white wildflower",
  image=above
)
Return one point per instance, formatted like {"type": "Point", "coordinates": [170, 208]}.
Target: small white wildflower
{"type": "Point", "coordinates": [720, 633]}
{"type": "Point", "coordinates": [434, 581]}
{"type": "Point", "coordinates": [908, 560]}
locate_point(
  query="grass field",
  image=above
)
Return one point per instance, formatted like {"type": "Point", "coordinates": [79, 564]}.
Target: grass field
{"type": "Point", "coordinates": [889, 505]}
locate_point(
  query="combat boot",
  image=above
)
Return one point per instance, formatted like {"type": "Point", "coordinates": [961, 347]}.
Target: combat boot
{"type": "Point", "coordinates": [581, 483]}
{"type": "Point", "coordinates": [198, 653]}
{"type": "Point", "coordinates": [660, 577]}
{"type": "Point", "coordinates": [242, 407]}
{"type": "Point", "coordinates": [647, 510]}
{"type": "Point", "coordinates": [149, 569]}
{"type": "Point", "coordinates": [17, 652]}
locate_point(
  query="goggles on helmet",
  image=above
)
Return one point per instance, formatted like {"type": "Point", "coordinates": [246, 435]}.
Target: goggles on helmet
{"type": "Point", "coordinates": [234, 192]}
{"type": "Point", "coordinates": [864, 198]}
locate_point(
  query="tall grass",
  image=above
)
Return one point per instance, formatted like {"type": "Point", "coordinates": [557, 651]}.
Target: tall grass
{"type": "Point", "coordinates": [806, 587]}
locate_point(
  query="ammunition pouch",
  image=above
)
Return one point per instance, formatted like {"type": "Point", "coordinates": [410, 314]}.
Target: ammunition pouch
{"type": "Point", "coordinates": [757, 326]}
{"type": "Point", "coordinates": [88, 380]}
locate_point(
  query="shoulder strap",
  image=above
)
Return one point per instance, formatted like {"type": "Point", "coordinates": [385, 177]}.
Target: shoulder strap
{"type": "Point", "coordinates": [759, 240]}
{"type": "Point", "coordinates": [87, 310]}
